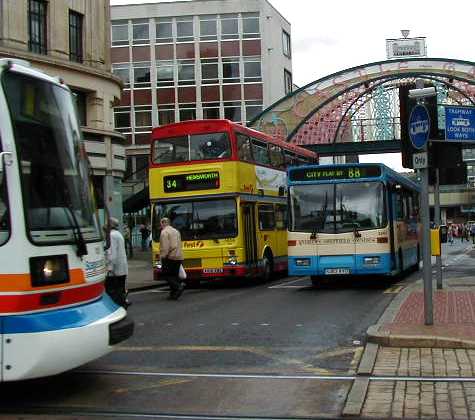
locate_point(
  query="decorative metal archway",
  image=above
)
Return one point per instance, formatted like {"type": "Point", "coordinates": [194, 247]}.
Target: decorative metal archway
{"type": "Point", "coordinates": [362, 103]}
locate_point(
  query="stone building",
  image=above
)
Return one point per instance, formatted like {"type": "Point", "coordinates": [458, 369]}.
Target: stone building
{"type": "Point", "coordinates": [71, 39]}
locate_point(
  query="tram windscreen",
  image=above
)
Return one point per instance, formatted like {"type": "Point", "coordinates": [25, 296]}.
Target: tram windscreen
{"type": "Point", "coordinates": [207, 219]}
{"type": "Point", "coordinates": [53, 162]}
{"type": "Point", "coordinates": [337, 208]}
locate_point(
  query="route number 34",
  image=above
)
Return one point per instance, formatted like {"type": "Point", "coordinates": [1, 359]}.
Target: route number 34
{"type": "Point", "coordinates": [171, 184]}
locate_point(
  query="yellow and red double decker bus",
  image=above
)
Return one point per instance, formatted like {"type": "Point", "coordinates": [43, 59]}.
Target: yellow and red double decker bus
{"type": "Point", "coordinates": [223, 186]}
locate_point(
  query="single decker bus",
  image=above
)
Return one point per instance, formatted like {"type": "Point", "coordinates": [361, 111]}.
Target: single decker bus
{"type": "Point", "coordinates": [352, 219]}
{"type": "Point", "coordinates": [223, 186]}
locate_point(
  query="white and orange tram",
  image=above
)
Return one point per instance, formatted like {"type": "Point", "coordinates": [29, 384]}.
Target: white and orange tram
{"type": "Point", "coordinates": [54, 313]}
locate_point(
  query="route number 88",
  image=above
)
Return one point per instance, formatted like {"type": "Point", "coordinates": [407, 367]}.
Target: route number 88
{"type": "Point", "coordinates": [353, 173]}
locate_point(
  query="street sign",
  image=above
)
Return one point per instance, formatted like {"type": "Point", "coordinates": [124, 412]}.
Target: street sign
{"type": "Point", "coordinates": [460, 123]}
{"type": "Point", "coordinates": [419, 126]}
{"type": "Point", "coordinates": [420, 160]}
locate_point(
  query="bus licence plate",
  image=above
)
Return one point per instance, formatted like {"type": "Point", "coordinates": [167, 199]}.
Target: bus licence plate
{"type": "Point", "coordinates": [337, 271]}
{"type": "Point", "coordinates": [212, 270]}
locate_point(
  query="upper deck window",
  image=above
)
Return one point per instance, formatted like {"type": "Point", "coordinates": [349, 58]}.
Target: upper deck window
{"type": "Point", "coordinates": [210, 146]}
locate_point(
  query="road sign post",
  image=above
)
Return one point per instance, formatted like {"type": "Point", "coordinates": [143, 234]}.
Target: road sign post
{"type": "Point", "coordinates": [419, 129]}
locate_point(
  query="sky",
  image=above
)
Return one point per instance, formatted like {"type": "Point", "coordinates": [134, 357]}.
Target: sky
{"type": "Point", "coordinates": [328, 36]}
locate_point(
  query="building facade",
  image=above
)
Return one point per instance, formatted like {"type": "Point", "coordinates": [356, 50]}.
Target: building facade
{"type": "Point", "coordinates": [71, 39]}
{"type": "Point", "coordinates": [195, 59]}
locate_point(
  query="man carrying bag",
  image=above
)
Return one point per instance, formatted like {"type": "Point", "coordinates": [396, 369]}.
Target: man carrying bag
{"type": "Point", "coordinates": [171, 257]}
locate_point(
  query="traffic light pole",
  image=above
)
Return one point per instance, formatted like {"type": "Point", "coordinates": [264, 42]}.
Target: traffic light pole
{"type": "Point", "coordinates": [438, 258]}
{"type": "Point", "coordinates": [426, 247]}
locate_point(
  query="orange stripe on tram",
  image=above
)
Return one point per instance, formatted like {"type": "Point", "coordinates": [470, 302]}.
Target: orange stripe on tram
{"type": "Point", "coordinates": [22, 282]}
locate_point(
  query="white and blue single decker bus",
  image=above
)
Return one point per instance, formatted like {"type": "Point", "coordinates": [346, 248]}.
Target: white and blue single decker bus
{"type": "Point", "coordinates": [352, 219]}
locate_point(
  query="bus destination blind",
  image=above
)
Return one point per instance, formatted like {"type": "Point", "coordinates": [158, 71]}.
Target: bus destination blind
{"type": "Point", "coordinates": [191, 182]}
{"type": "Point", "coordinates": [328, 174]}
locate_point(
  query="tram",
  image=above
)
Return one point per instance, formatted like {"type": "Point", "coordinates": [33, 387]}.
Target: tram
{"type": "Point", "coordinates": [54, 313]}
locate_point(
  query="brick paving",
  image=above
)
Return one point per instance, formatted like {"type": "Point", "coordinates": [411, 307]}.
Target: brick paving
{"type": "Point", "coordinates": [454, 318]}
{"type": "Point", "coordinates": [417, 399]}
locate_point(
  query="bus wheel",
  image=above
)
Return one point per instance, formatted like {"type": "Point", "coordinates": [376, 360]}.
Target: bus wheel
{"type": "Point", "coordinates": [401, 262]}
{"type": "Point", "coordinates": [268, 268]}
{"type": "Point", "coordinates": [192, 283]}
{"type": "Point", "coordinates": [416, 265]}
{"type": "Point", "coordinates": [319, 281]}
{"type": "Point", "coordinates": [316, 281]}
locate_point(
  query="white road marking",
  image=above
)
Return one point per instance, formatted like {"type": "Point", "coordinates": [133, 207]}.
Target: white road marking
{"type": "Point", "coordinates": [286, 285]}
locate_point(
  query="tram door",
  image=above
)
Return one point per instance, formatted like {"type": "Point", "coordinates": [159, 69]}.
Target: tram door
{"type": "Point", "coordinates": [250, 244]}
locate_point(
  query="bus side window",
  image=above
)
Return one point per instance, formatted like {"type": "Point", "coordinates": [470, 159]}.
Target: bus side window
{"type": "Point", "coordinates": [4, 217]}
{"type": "Point", "coordinates": [276, 156]}
{"type": "Point", "coordinates": [260, 152]}
{"type": "Point", "coordinates": [266, 217]}
{"type": "Point", "coordinates": [281, 217]}
{"type": "Point", "coordinates": [244, 148]}
{"type": "Point", "coordinates": [399, 205]}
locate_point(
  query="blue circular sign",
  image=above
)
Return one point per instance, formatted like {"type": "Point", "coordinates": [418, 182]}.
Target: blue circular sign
{"type": "Point", "coordinates": [419, 126]}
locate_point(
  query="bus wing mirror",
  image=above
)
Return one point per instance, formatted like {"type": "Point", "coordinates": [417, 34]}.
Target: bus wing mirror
{"type": "Point", "coordinates": [5, 159]}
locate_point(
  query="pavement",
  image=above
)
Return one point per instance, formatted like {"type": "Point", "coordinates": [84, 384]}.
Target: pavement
{"type": "Point", "coordinates": [412, 370]}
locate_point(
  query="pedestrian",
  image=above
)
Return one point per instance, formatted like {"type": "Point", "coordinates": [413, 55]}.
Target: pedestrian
{"type": "Point", "coordinates": [144, 232]}
{"type": "Point", "coordinates": [450, 235]}
{"type": "Point", "coordinates": [171, 257]}
{"type": "Point", "coordinates": [117, 268]}
{"type": "Point", "coordinates": [472, 233]}
{"type": "Point", "coordinates": [128, 241]}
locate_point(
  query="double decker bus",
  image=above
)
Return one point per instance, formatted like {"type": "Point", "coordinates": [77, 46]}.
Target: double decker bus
{"type": "Point", "coordinates": [54, 313]}
{"type": "Point", "coordinates": [352, 219]}
{"type": "Point", "coordinates": [223, 186]}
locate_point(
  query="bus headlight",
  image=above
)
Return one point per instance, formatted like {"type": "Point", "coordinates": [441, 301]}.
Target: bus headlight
{"type": "Point", "coordinates": [232, 260]}
{"type": "Point", "coordinates": [51, 269]}
{"type": "Point", "coordinates": [371, 260]}
{"type": "Point", "coordinates": [302, 262]}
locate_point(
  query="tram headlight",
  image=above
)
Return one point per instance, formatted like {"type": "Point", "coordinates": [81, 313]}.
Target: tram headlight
{"type": "Point", "coordinates": [51, 269]}
{"type": "Point", "coordinates": [232, 260]}
{"type": "Point", "coordinates": [371, 260]}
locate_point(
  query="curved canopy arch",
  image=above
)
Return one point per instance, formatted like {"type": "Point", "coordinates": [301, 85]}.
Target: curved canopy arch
{"type": "Point", "coordinates": [327, 110]}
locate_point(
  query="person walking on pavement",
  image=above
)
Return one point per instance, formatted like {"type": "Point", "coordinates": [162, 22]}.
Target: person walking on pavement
{"type": "Point", "coordinates": [128, 241]}
{"type": "Point", "coordinates": [144, 232]}
{"type": "Point", "coordinates": [472, 233]}
{"type": "Point", "coordinates": [117, 267]}
{"type": "Point", "coordinates": [450, 235]}
{"type": "Point", "coordinates": [171, 256]}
